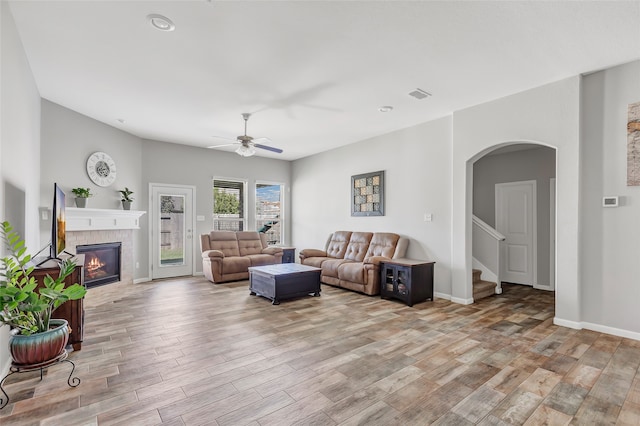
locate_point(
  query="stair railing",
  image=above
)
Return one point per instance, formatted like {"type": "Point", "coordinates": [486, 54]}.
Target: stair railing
{"type": "Point", "coordinates": [487, 248]}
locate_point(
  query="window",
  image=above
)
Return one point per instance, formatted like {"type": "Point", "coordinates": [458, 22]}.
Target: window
{"type": "Point", "coordinates": [269, 217]}
{"type": "Point", "coordinates": [229, 205]}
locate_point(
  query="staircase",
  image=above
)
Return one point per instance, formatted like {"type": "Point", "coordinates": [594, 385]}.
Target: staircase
{"type": "Point", "coordinates": [481, 288]}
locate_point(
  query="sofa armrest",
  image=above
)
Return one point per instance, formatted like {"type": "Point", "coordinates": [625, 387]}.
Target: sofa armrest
{"type": "Point", "coordinates": [372, 261]}
{"type": "Point", "coordinates": [312, 253]}
{"type": "Point", "coordinates": [212, 254]}
{"type": "Point", "coordinates": [272, 250]}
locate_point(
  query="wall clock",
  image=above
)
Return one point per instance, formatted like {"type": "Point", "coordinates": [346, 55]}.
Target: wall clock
{"type": "Point", "coordinates": [101, 169]}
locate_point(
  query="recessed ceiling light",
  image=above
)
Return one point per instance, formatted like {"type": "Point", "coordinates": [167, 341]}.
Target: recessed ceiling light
{"type": "Point", "coordinates": [385, 108]}
{"type": "Point", "coordinates": [160, 22]}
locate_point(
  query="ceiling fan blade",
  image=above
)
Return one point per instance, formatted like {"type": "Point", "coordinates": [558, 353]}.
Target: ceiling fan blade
{"type": "Point", "coordinates": [225, 144]}
{"type": "Point", "coordinates": [268, 148]}
{"type": "Point", "coordinates": [261, 140]}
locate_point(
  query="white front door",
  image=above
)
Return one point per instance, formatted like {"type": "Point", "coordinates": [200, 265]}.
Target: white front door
{"type": "Point", "coordinates": [172, 242]}
{"type": "Point", "coordinates": [516, 220]}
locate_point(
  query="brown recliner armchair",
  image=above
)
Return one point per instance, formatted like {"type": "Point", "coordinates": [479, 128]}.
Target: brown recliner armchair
{"type": "Point", "coordinates": [227, 255]}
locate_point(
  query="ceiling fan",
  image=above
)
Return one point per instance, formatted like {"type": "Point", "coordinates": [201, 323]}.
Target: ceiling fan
{"type": "Point", "coordinates": [247, 143]}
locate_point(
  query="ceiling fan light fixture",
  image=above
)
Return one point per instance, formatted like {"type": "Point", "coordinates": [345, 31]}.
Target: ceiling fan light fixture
{"type": "Point", "coordinates": [245, 151]}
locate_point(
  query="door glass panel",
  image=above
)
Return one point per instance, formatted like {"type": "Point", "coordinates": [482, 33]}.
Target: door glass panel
{"type": "Point", "coordinates": [269, 212]}
{"type": "Point", "coordinates": [402, 281]}
{"type": "Point", "coordinates": [388, 279]}
{"type": "Point", "coordinates": [172, 230]}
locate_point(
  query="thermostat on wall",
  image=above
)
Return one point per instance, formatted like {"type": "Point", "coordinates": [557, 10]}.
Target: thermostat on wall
{"type": "Point", "coordinates": [610, 201]}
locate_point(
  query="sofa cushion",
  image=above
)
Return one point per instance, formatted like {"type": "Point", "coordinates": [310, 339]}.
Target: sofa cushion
{"type": "Point", "coordinates": [249, 242]}
{"type": "Point", "coordinates": [337, 245]}
{"type": "Point", "coordinates": [330, 267]}
{"type": "Point", "coordinates": [224, 241]}
{"type": "Point", "coordinates": [235, 264]}
{"type": "Point", "coordinates": [358, 245]}
{"type": "Point", "coordinates": [383, 244]}
{"type": "Point", "coordinates": [352, 271]}
{"type": "Point", "coordinates": [260, 259]}
{"type": "Point", "coordinates": [315, 261]}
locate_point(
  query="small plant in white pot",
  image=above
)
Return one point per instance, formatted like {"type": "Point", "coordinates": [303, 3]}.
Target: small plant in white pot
{"type": "Point", "coordinates": [126, 198]}
{"type": "Point", "coordinates": [81, 196]}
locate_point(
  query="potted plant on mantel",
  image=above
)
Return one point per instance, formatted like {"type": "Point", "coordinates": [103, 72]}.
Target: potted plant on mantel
{"type": "Point", "coordinates": [126, 198]}
{"type": "Point", "coordinates": [81, 196]}
{"type": "Point", "coordinates": [35, 339]}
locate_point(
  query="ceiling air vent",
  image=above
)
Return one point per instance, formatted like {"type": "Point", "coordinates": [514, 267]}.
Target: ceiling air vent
{"type": "Point", "coordinates": [419, 94]}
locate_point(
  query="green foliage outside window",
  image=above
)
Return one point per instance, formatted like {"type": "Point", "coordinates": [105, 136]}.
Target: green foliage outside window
{"type": "Point", "coordinates": [225, 203]}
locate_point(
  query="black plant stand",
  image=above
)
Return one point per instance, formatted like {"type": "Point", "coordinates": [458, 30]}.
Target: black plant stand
{"type": "Point", "coordinates": [16, 368]}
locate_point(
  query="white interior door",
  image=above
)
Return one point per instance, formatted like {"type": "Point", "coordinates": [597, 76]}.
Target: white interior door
{"type": "Point", "coordinates": [172, 242]}
{"type": "Point", "coordinates": [516, 220]}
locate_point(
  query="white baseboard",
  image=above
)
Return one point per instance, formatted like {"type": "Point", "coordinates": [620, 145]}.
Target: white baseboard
{"type": "Point", "coordinates": [612, 330]}
{"type": "Point", "coordinates": [442, 296]}
{"type": "Point", "coordinates": [566, 323]}
{"type": "Point", "coordinates": [141, 280]}
{"type": "Point", "coordinates": [462, 301]}
{"type": "Point", "coordinates": [597, 327]}
{"type": "Point", "coordinates": [453, 299]}
{"type": "Point", "coordinates": [198, 274]}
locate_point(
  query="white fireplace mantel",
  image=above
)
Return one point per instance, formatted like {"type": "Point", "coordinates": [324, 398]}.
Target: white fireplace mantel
{"type": "Point", "coordinates": [83, 219]}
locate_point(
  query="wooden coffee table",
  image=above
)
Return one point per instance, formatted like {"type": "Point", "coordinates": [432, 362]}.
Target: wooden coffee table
{"type": "Point", "coordinates": [284, 281]}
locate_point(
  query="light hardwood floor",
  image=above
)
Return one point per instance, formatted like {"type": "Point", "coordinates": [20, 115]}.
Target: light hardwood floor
{"type": "Point", "coordinates": [189, 352]}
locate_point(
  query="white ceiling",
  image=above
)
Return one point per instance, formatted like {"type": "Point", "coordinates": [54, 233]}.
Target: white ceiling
{"type": "Point", "coordinates": [313, 73]}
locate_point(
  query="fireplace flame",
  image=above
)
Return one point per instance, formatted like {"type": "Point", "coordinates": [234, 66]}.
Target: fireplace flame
{"type": "Point", "coordinates": [93, 266]}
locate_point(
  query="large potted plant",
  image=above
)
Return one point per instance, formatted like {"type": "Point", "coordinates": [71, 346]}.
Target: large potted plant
{"type": "Point", "coordinates": [35, 339]}
{"type": "Point", "coordinates": [81, 196]}
{"type": "Point", "coordinates": [126, 198]}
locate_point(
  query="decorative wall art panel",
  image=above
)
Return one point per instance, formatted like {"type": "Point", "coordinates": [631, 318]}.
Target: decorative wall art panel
{"type": "Point", "coordinates": [367, 194]}
{"type": "Point", "coordinates": [633, 145]}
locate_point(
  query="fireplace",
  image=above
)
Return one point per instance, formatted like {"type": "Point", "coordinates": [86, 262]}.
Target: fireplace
{"type": "Point", "coordinates": [101, 263]}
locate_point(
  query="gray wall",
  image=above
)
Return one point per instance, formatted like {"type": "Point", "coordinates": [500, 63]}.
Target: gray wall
{"type": "Point", "coordinates": [537, 164]}
{"type": "Point", "coordinates": [168, 163]}
{"type": "Point", "coordinates": [548, 115]}
{"type": "Point", "coordinates": [69, 138]}
{"type": "Point", "coordinates": [19, 147]}
{"type": "Point", "coordinates": [417, 169]}
{"type": "Point", "coordinates": [610, 237]}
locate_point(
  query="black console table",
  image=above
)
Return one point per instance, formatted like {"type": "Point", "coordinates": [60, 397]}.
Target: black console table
{"type": "Point", "coordinates": [405, 279]}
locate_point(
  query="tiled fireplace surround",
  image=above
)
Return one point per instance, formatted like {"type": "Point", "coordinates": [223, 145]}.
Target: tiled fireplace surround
{"type": "Point", "coordinates": [124, 236]}
{"type": "Point", "coordinates": [96, 226]}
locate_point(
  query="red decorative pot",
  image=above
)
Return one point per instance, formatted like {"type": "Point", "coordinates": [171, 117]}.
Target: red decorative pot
{"type": "Point", "coordinates": [40, 348]}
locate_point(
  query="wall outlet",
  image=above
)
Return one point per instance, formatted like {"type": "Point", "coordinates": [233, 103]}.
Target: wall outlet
{"type": "Point", "coordinates": [428, 217]}
{"type": "Point", "coordinates": [137, 265]}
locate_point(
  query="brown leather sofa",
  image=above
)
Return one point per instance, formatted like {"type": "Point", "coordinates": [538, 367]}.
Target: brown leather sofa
{"type": "Point", "coordinates": [227, 255]}
{"type": "Point", "coordinates": [351, 260]}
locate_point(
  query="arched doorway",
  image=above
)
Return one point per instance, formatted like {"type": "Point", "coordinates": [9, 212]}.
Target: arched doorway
{"type": "Point", "coordinates": [527, 219]}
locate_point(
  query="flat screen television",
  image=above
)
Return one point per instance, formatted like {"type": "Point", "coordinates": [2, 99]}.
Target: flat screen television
{"type": "Point", "coordinates": [58, 223]}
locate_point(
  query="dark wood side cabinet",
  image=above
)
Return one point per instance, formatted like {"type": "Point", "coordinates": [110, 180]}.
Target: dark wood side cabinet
{"type": "Point", "coordinates": [288, 255]}
{"type": "Point", "coordinates": [408, 280]}
{"type": "Point", "coordinates": [73, 310]}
